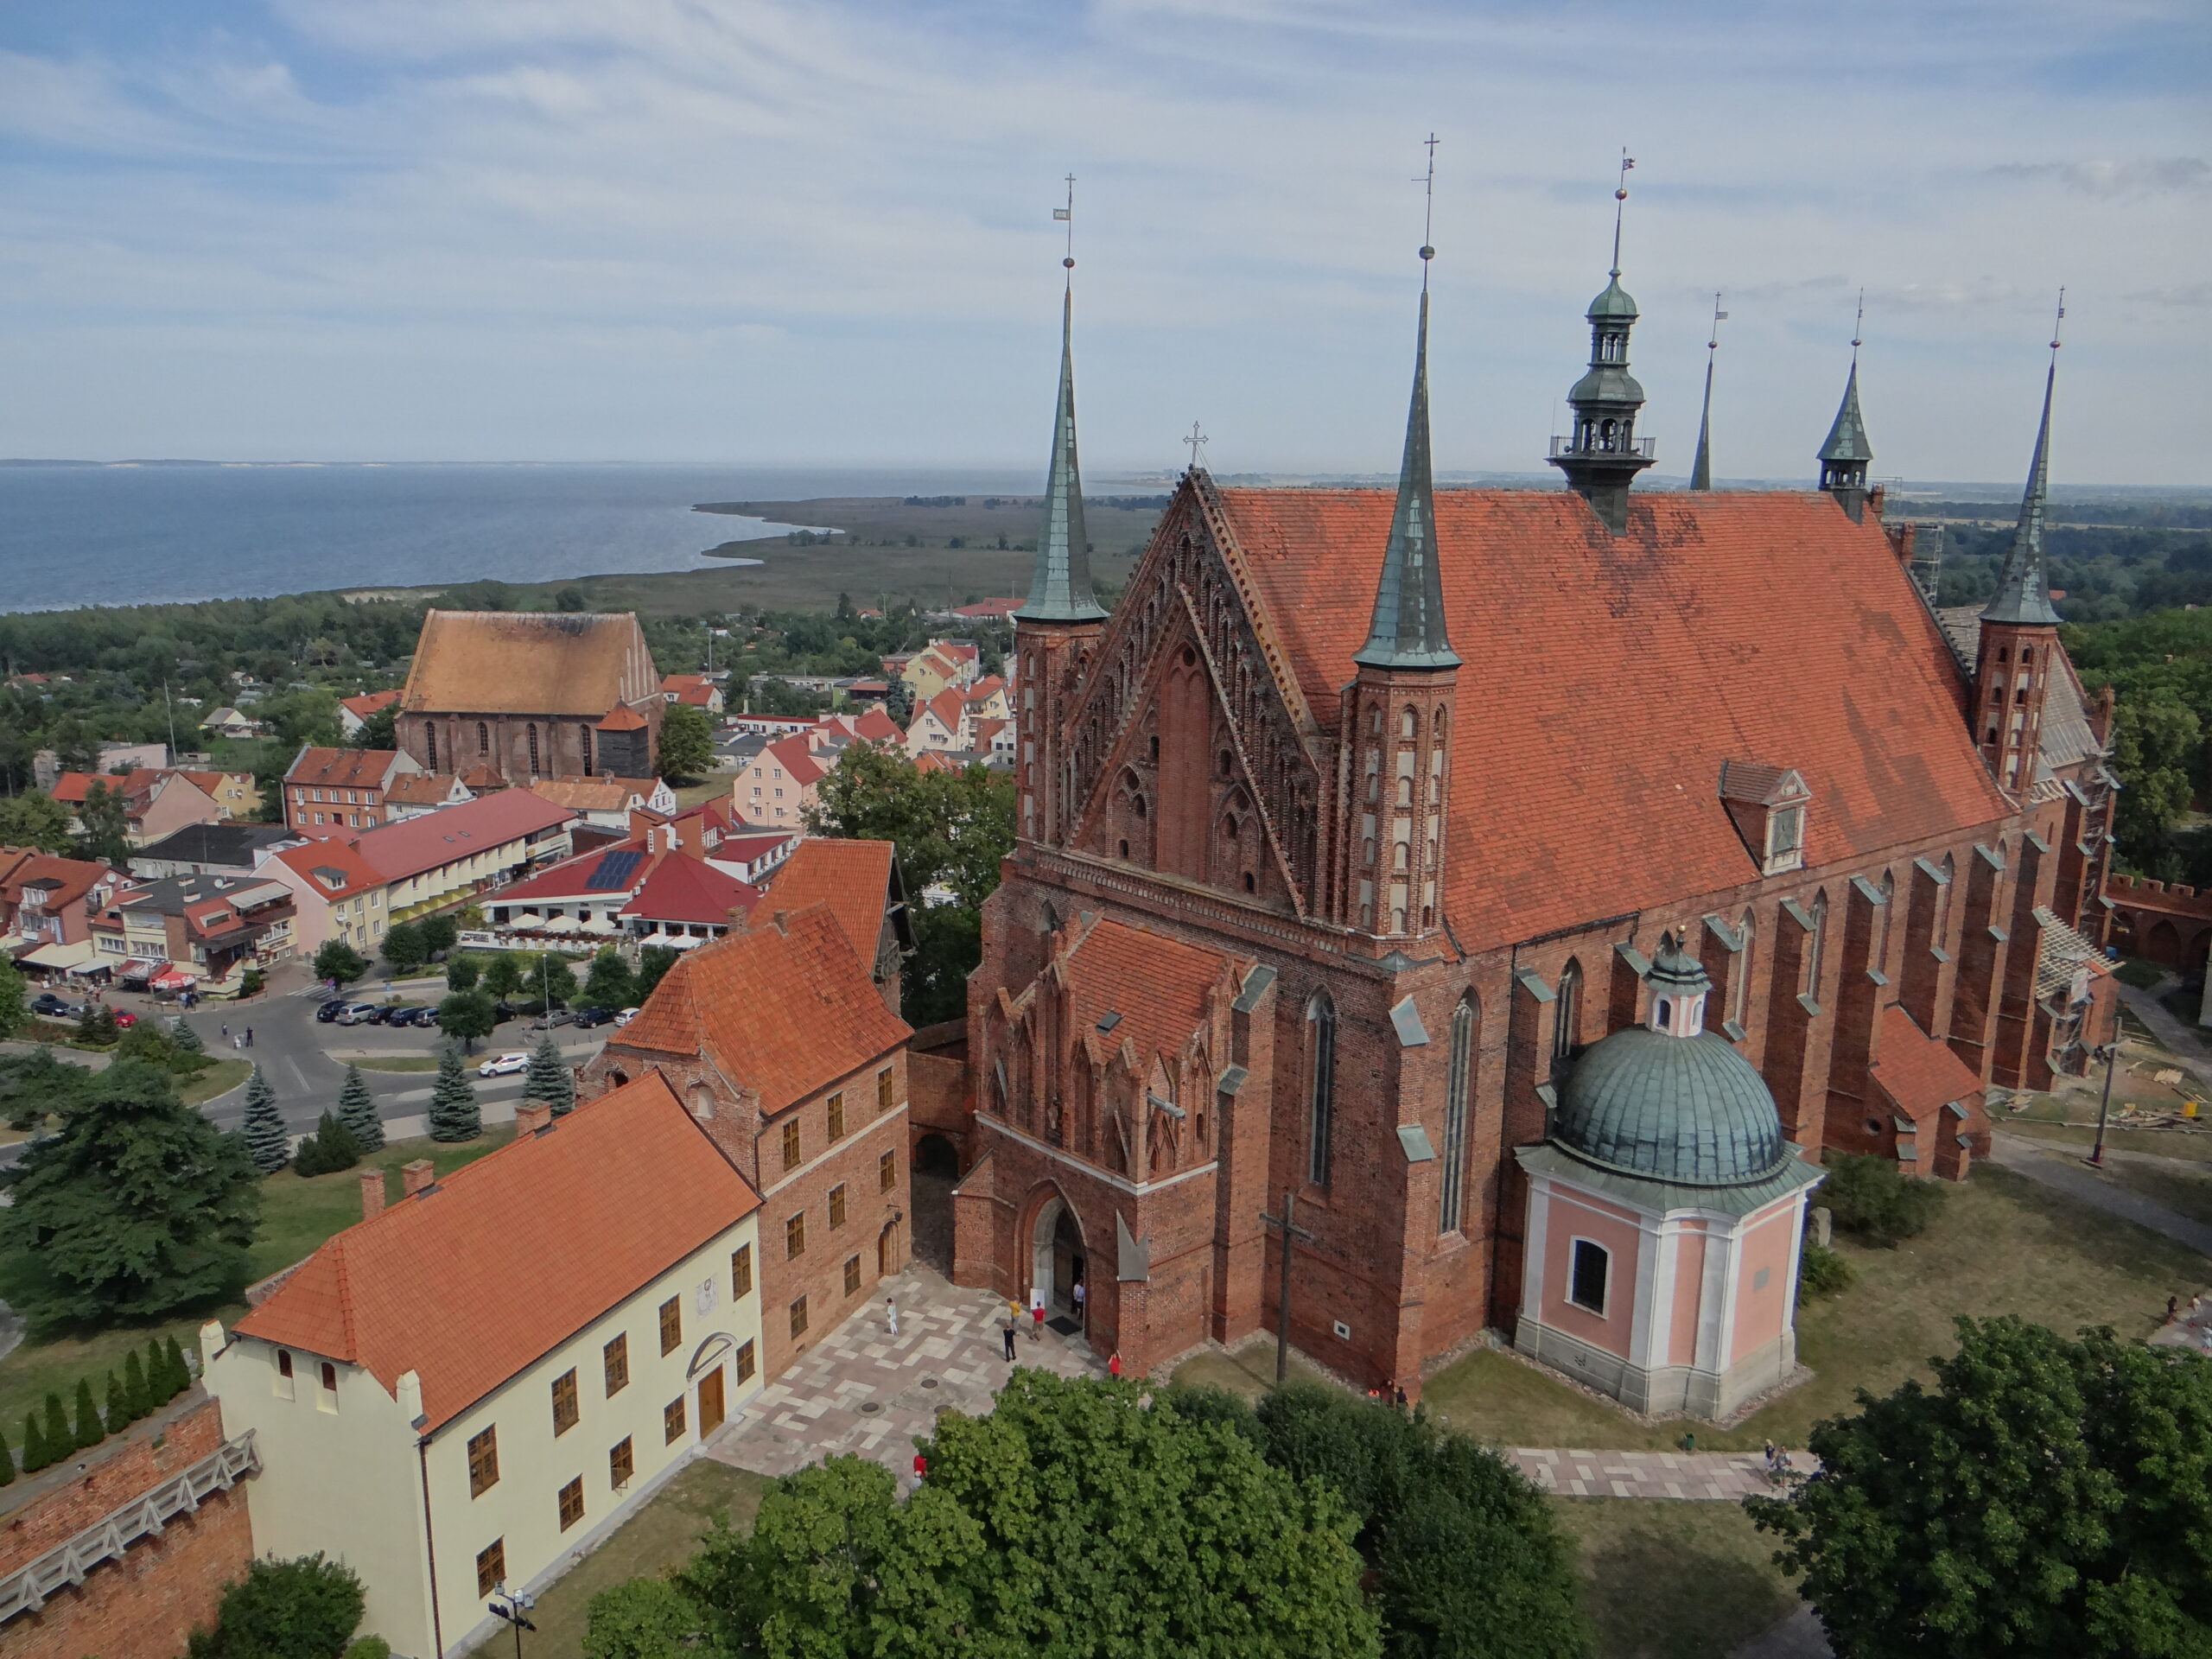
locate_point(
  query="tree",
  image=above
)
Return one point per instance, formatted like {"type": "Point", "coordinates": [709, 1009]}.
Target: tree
{"type": "Point", "coordinates": [184, 1039]}
{"type": "Point", "coordinates": [1187, 1541]}
{"type": "Point", "coordinates": [138, 1205]}
{"type": "Point", "coordinates": [61, 1439]}
{"type": "Point", "coordinates": [2045, 1497]}
{"type": "Point", "coordinates": [357, 1111]}
{"type": "Point", "coordinates": [404, 947]}
{"type": "Point", "coordinates": [7, 1463]}
{"type": "Point", "coordinates": [33, 819]}
{"type": "Point", "coordinates": [551, 980]}
{"type": "Point", "coordinates": [503, 974]}
{"type": "Point", "coordinates": [329, 1149]}
{"type": "Point", "coordinates": [440, 932]}
{"type": "Point", "coordinates": [13, 1015]}
{"type": "Point", "coordinates": [104, 832]}
{"type": "Point", "coordinates": [2152, 744]}
{"type": "Point", "coordinates": [339, 962]}
{"type": "Point", "coordinates": [653, 962]}
{"type": "Point", "coordinates": [118, 1412]}
{"type": "Point", "coordinates": [176, 1373]}
{"type": "Point", "coordinates": [549, 1079]}
{"type": "Point", "coordinates": [1869, 1197]}
{"type": "Point", "coordinates": [302, 1609]}
{"type": "Point", "coordinates": [687, 743]}
{"type": "Point", "coordinates": [267, 1140]}
{"type": "Point", "coordinates": [643, 1618]}
{"type": "Point", "coordinates": [35, 1456]}
{"type": "Point", "coordinates": [466, 1016]}
{"type": "Point", "coordinates": [87, 1429]}
{"type": "Point", "coordinates": [380, 730]}
{"type": "Point", "coordinates": [609, 985]}
{"type": "Point", "coordinates": [35, 1086]}
{"type": "Point", "coordinates": [135, 1393]}
{"type": "Point", "coordinates": [462, 972]}
{"type": "Point", "coordinates": [453, 1114]}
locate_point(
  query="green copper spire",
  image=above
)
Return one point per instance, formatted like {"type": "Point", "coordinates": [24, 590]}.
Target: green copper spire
{"type": "Point", "coordinates": [1846, 455]}
{"type": "Point", "coordinates": [1407, 631]}
{"type": "Point", "coordinates": [1701, 468]}
{"type": "Point", "coordinates": [1059, 588]}
{"type": "Point", "coordinates": [2022, 594]}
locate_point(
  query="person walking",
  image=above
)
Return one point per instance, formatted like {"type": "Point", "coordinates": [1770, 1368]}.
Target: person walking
{"type": "Point", "coordinates": [1036, 1315]}
{"type": "Point", "coordinates": [921, 1467]}
{"type": "Point", "coordinates": [1006, 1329]}
{"type": "Point", "coordinates": [1114, 1365]}
{"type": "Point", "coordinates": [249, 1036]}
{"type": "Point", "coordinates": [227, 1031]}
{"type": "Point", "coordinates": [1082, 1308]}
{"type": "Point", "coordinates": [890, 1314]}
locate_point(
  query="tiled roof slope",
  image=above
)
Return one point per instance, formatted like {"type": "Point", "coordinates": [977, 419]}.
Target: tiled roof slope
{"type": "Point", "coordinates": [528, 663]}
{"type": "Point", "coordinates": [1157, 984]}
{"type": "Point", "coordinates": [507, 1258]}
{"type": "Point", "coordinates": [1607, 679]}
{"type": "Point", "coordinates": [342, 768]}
{"type": "Point", "coordinates": [785, 1011]}
{"type": "Point", "coordinates": [852, 877]}
{"type": "Point", "coordinates": [684, 889]}
{"type": "Point", "coordinates": [413, 845]}
{"type": "Point", "coordinates": [1916, 1070]}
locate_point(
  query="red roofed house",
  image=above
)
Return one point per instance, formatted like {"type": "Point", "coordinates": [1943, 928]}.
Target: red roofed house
{"type": "Point", "coordinates": [327, 790]}
{"type": "Point", "coordinates": [336, 895]}
{"type": "Point", "coordinates": [533, 694]}
{"type": "Point", "coordinates": [779, 1044]}
{"type": "Point", "coordinates": [480, 1380]}
{"type": "Point", "coordinates": [695, 690]}
{"type": "Point", "coordinates": [155, 802]}
{"type": "Point", "coordinates": [989, 609]}
{"type": "Point", "coordinates": [443, 857]}
{"type": "Point", "coordinates": [779, 784]}
{"type": "Point", "coordinates": [1298, 913]}
{"type": "Point", "coordinates": [46, 907]}
{"type": "Point", "coordinates": [861, 883]}
{"type": "Point", "coordinates": [353, 713]}
{"type": "Point", "coordinates": [940, 724]}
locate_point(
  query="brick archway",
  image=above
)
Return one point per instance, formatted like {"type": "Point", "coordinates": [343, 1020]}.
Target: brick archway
{"type": "Point", "coordinates": [1051, 1249]}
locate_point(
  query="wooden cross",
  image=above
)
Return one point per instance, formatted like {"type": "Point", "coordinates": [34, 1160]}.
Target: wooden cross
{"type": "Point", "coordinates": [1287, 1223]}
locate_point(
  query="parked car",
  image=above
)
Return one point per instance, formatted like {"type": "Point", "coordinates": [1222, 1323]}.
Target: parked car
{"type": "Point", "coordinates": [125, 1018]}
{"type": "Point", "coordinates": [327, 1011]}
{"type": "Point", "coordinates": [358, 1014]}
{"type": "Point", "coordinates": [587, 1018]}
{"type": "Point", "coordinates": [557, 1017]}
{"type": "Point", "coordinates": [54, 1008]}
{"type": "Point", "coordinates": [627, 1016]}
{"type": "Point", "coordinates": [502, 1065]}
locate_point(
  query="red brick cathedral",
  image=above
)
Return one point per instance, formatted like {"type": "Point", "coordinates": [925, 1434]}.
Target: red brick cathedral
{"type": "Point", "coordinates": [1364, 815]}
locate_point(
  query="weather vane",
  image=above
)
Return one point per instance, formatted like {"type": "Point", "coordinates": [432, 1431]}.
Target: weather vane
{"type": "Point", "coordinates": [1198, 443]}
{"type": "Point", "coordinates": [2061, 319]}
{"type": "Point", "coordinates": [1428, 182]}
{"type": "Point", "coordinates": [1620, 198]}
{"type": "Point", "coordinates": [1858, 326]}
{"type": "Point", "coordinates": [1713, 344]}
{"type": "Point", "coordinates": [1066, 215]}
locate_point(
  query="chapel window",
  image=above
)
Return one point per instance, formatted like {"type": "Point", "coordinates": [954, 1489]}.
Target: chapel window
{"type": "Point", "coordinates": [1816, 939]}
{"type": "Point", "coordinates": [1457, 1078]}
{"type": "Point", "coordinates": [1321, 1085]}
{"type": "Point", "coordinates": [1740, 991]}
{"type": "Point", "coordinates": [1586, 1283]}
{"type": "Point", "coordinates": [1569, 1017]}
{"type": "Point", "coordinates": [483, 737]}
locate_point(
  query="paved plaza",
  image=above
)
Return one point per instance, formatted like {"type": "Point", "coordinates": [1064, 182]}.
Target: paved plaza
{"type": "Point", "coordinates": [1710, 1476]}
{"type": "Point", "coordinates": [863, 1391]}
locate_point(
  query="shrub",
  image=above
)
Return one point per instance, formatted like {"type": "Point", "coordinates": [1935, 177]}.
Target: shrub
{"type": "Point", "coordinates": [302, 1609]}
{"type": "Point", "coordinates": [1868, 1197]}
{"type": "Point", "coordinates": [135, 1393]}
{"type": "Point", "coordinates": [88, 1429]}
{"type": "Point", "coordinates": [1821, 1271]}
{"type": "Point", "coordinates": [61, 1439]}
{"type": "Point", "coordinates": [370, 1647]}
{"type": "Point", "coordinates": [7, 1463]}
{"type": "Point", "coordinates": [253, 982]}
{"type": "Point", "coordinates": [643, 1618]}
{"type": "Point", "coordinates": [180, 1373]}
{"type": "Point", "coordinates": [330, 1148]}
{"type": "Point", "coordinates": [118, 1406]}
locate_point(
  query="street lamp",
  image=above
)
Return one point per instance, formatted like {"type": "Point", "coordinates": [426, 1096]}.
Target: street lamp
{"type": "Point", "coordinates": [517, 1605]}
{"type": "Point", "coordinates": [2108, 1054]}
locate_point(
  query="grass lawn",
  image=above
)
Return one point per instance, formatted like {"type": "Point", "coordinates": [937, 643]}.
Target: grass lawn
{"type": "Point", "coordinates": [296, 1215]}
{"type": "Point", "coordinates": [396, 1062]}
{"type": "Point", "coordinates": [217, 1079]}
{"type": "Point", "coordinates": [1673, 1580]}
{"type": "Point", "coordinates": [2139, 973]}
{"type": "Point", "coordinates": [2180, 1145]}
{"type": "Point", "coordinates": [660, 1536]}
{"type": "Point", "coordinates": [2001, 1244]}
{"type": "Point", "coordinates": [1250, 1371]}
{"type": "Point", "coordinates": [712, 789]}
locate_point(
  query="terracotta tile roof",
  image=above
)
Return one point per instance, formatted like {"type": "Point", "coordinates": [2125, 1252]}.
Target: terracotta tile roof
{"type": "Point", "coordinates": [1609, 677]}
{"type": "Point", "coordinates": [1158, 985]}
{"type": "Point", "coordinates": [685, 889]}
{"type": "Point", "coordinates": [800, 766]}
{"type": "Point", "coordinates": [368, 703]}
{"type": "Point", "coordinates": [876, 727]}
{"type": "Point", "coordinates": [593, 794]}
{"type": "Point", "coordinates": [622, 718]}
{"type": "Point", "coordinates": [419, 789]}
{"type": "Point", "coordinates": [413, 845]}
{"type": "Point", "coordinates": [937, 760]}
{"type": "Point", "coordinates": [785, 1011]}
{"type": "Point", "coordinates": [71, 787]}
{"type": "Point", "coordinates": [323, 860]}
{"type": "Point", "coordinates": [528, 663]}
{"type": "Point", "coordinates": [476, 1279]}
{"type": "Point", "coordinates": [1917, 1071]}
{"type": "Point", "coordinates": [948, 709]}
{"type": "Point", "coordinates": [852, 877]}
{"type": "Point", "coordinates": [71, 878]}
{"type": "Point", "coordinates": [342, 768]}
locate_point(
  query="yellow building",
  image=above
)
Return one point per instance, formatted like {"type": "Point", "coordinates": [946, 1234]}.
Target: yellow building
{"type": "Point", "coordinates": [476, 1382]}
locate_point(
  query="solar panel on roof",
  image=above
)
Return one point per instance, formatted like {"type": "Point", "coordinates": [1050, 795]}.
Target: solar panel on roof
{"type": "Point", "coordinates": [613, 870]}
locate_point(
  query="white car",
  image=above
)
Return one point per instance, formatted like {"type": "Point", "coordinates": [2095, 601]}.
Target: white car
{"type": "Point", "coordinates": [625, 1016]}
{"type": "Point", "coordinates": [504, 1066]}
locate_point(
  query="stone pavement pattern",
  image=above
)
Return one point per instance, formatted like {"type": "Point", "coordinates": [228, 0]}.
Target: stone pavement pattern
{"type": "Point", "coordinates": [1706, 1475]}
{"type": "Point", "coordinates": [948, 1356]}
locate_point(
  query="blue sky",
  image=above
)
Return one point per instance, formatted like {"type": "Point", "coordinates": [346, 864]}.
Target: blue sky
{"type": "Point", "coordinates": [759, 232]}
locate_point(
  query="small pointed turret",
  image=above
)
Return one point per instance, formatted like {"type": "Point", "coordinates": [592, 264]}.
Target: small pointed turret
{"type": "Point", "coordinates": [1702, 467]}
{"type": "Point", "coordinates": [1059, 584]}
{"type": "Point", "coordinates": [1603, 455]}
{"type": "Point", "coordinates": [2023, 592]}
{"type": "Point", "coordinates": [1407, 630]}
{"type": "Point", "coordinates": [1846, 455]}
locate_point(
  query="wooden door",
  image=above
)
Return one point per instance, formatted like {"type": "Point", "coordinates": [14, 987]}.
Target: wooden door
{"type": "Point", "coordinates": [711, 1402]}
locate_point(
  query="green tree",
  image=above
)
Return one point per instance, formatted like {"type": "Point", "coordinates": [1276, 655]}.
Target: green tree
{"type": "Point", "coordinates": [61, 1439]}
{"type": "Point", "coordinates": [2043, 1497]}
{"type": "Point", "coordinates": [35, 1456]}
{"type": "Point", "coordinates": [87, 1429]}
{"type": "Point", "coordinates": [357, 1111]}
{"type": "Point", "coordinates": [33, 819]}
{"type": "Point", "coordinates": [440, 932]}
{"type": "Point", "coordinates": [137, 1206]}
{"type": "Point", "coordinates": [104, 831]}
{"type": "Point", "coordinates": [267, 1140]}
{"type": "Point", "coordinates": [1869, 1197]}
{"type": "Point", "coordinates": [453, 1114]}
{"type": "Point", "coordinates": [179, 1374]}
{"type": "Point", "coordinates": [135, 1393]}
{"type": "Point", "coordinates": [1188, 1542]}
{"type": "Point", "coordinates": [503, 974]}
{"type": "Point", "coordinates": [2153, 743]}
{"type": "Point", "coordinates": [118, 1412]}
{"type": "Point", "coordinates": [34, 1086]}
{"type": "Point", "coordinates": [380, 730]}
{"type": "Point", "coordinates": [14, 1015]}
{"type": "Point", "coordinates": [307, 1608]}
{"type": "Point", "coordinates": [687, 742]}
{"type": "Point", "coordinates": [7, 1463]}
{"type": "Point", "coordinates": [653, 962]}
{"type": "Point", "coordinates": [551, 980]}
{"type": "Point", "coordinates": [462, 972]}
{"type": "Point", "coordinates": [329, 1149]}
{"type": "Point", "coordinates": [404, 947]}
{"type": "Point", "coordinates": [608, 984]}
{"type": "Point", "coordinates": [339, 961]}
{"type": "Point", "coordinates": [184, 1039]}
{"type": "Point", "coordinates": [549, 1079]}
{"type": "Point", "coordinates": [466, 1016]}
{"type": "Point", "coordinates": [643, 1618]}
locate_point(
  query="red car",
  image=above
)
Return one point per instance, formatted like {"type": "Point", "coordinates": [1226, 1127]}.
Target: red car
{"type": "Point", "coordinates": [125, 1018]}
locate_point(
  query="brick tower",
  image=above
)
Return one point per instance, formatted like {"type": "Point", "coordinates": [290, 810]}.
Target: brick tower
{"type": "Point", "coordinates": [2019, 630]}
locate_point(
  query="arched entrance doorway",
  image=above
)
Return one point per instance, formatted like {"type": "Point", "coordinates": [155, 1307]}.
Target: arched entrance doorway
{"type": "Point", "coordinates": [1057, 1259]}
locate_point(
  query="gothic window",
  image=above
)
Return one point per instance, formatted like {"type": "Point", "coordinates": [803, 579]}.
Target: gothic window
{"type": "Point", "coordinates": [1405, 791]}
{"type": "Point", "coordinates": [1367, 851]}
{"type": "Point", "coordinates": [1816, 939]}
{"type": "Point", "coordinates": [1570, 1010]}
{"type": "Point", "coordinates": [1228, 763]}
{"type": "Point", "coordinates": [583, 742]}
{"type": "Point", "coordinates": [430, 743]}
{"type": "Point", "coordinates": [1740, 992]}
{"type": "Point", "coordinates": [483, 737]}
{"type": "Point", "coordinates": [1943, 904]}
{"type": "Point", "coordinates": [1408, 723]}
{"type": "Point", "coordinates": [1457, 1078]}
{"type": "Point", "coordinates": [1400, 856]}
{"type": "Point", "coordinates": [1321, 1085]}
{"type": "Point", "coordinates": [532, 732]}
{"type": "Point", "coordinates": [1882, 922]}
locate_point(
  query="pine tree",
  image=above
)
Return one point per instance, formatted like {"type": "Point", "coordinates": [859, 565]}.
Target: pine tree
{"type": "Point", "coordinates": [7, 1463]}
{"type": "Point", "coordinates": [266, 1142]}
{"type": "Point", "coordinates": [60, 1440]}
{"type": "Point", "coordinates": [185, 1038]}
{"type": "Point", "coordinates": [180, 1373]}
{"type": "Point", "coordinates": [87, 1430]}
{"type": "Point", "coordinates": [35, 1458]}
{"type": "Point", "coordinates": [118, 1405]}
{"type": "Point", "coordinates": [159, 1389]}
{"type": "Point", "coordinates": [135, 1392]}
{"type": "Point", "coordinates": [549, 1079]}
{"type": "Point", "coordinates": [357, 1111]}
{"type": "Point", "coordinates": [453, 1114]}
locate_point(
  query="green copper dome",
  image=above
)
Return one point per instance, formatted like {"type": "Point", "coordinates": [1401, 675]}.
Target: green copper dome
{"type": "Point", "coordinates": [1614, 303]}
{"type": "Point", "coordinates": [1691, 1110]}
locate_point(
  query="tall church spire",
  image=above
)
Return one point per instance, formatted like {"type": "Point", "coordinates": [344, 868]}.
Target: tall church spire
{"type": "Point", "coordinates": [1701, 468]}
{"type": "Point", "coordinates": [2022, 594]}
{"type": "Point", "coordinates": [1059, 585]}
{"type": "Point", "coordinates": [1846, 455]}
{"type": "Point", "coordinates": [1602, 455]}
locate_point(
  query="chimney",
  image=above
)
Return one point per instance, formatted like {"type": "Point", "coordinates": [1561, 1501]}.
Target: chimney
{"type": "Point", "coordinates": [738, 920]}
{"type": "Point", "coordinates": [1874, 498]}
{"type": "Point", "coordinates": [372, 1194]}
{"type": "Point", "coordinates": [783, 921]}
{"type": "Point", "coordinates": [531, 1116]}
{"type": "Point", "coordinates": [414, 1177]}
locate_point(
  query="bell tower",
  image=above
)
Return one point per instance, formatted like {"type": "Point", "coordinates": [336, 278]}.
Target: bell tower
{"type": "Point", "coordinates": [1060, 620]}
{"type": "Point", "coordinates": [1603, 455]}
{"type": "Point", "coordinates": [1846, 454]}
{"type": "Point", "coordinates": [1397, 713]}
{"type": "Point", "coordinates": [2020, 629]}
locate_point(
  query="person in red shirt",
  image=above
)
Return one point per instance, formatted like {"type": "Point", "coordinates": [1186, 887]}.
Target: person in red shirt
{"type": "Point", "coordinates": [1114, 1365]}
{"type": "Point", "coordinates": [921, 1466]}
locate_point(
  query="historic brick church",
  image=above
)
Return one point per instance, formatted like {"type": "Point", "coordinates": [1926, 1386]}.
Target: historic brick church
{"type": "Point", "coordinates": [1364, 816]}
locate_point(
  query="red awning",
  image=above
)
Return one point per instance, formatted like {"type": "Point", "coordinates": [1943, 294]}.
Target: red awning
{"type": "Point", "coordinates": [171, 979]}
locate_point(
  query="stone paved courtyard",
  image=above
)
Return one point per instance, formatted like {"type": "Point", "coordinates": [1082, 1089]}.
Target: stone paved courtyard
{"type": "Point", "coordinates": [861, 1389]}
{"type": "Point", "coordinates": [1697, 1475]}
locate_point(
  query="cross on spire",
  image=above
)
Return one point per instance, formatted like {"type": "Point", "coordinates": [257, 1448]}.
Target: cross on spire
{"type": "Point", "coordinates": [1702, 466]}
{"type": "Point", "coordinates": [1196, 440]}
{"type": "Point", "coordinates": [1428, 182]}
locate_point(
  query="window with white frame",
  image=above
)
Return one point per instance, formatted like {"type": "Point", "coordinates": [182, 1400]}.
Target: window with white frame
{"type": "Point", "coordinates": [1587, 1274]}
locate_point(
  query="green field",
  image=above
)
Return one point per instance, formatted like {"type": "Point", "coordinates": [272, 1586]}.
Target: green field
{"type": "Point", "coordinates": [1664, 1579]}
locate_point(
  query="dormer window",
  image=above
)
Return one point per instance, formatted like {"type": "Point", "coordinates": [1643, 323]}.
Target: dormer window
{"type": "Point", "coordinates": [1785, 837]}
{"type": "Point", "coordinates": [1767, 804]}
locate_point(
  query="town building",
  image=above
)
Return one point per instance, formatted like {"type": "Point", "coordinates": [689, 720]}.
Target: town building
{"type": "Point", "coordinates": [1301, 923]}
{"type": "Point", "coordinates": [336, 895]}
{"type": "Point", "coordinates": [940, 725]}
{"type": "Point", "coordinates": [453, 855]}
{"type": "Point", "coordinates": [607, 803]}
{"type": "Point", "coordinates": [533, 694]}
{"type": "Point", "coordinates": [355, 713]}
{"type": "Point", "coordinates": [484, 1378]}
{"type": "Point", "coordinates": [412, 794]}
{"type": "Point", "coordinates": [154, 802]}
{"type": "Point", "coordinates": [221, 849]}
{"type": "Point", "coordinates": [238, 794]}
{"type": "Point", "coordinates": [774, 789]}
{"type": "Point", "coordinates": [942, 665]}
{"type": "Point", "coordinates": [693, 691]}
{"type": "Point", "coordinates": [195, 932]}
{"type": "Point", "coordinates": [329, 790]}
{"type": "Point", "coordinates": [777, 1041]}
{"type": "Point", "coordinates": [46, 907]}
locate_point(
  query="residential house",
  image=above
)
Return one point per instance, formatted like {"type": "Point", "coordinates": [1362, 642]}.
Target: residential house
{"type": "Point", "coordinates": [475, 1385]}
{"type": "Point", "coordinates": [694, 690]}
{"type": "Point", "coordinates": [606, 803]}
{"type": "Point", "coordinates": [327, 790]}
{"type": "Point", "coordinates": [943, 664]}
{"type": "Point", "coordinates": [222, 849]}
{"type": "Point", "coordinates": [236, 792]}
{"type": "Point", "coordinates": [861, 883]}
{"type": "Point", "coordinates": [941, 724]}
{"type": "Point", "coordinates": [229, 723]}
{"type": "Point", "coordinates": [355, 713]}
{"type": "Point", "coordinates": [779, 1044]}
{"type": "Point", "coordinates": [447, 857]}
{"type": "Point", "coordinates": [46, 907]}
{"type": "Point", "coordinates": [201, 932]}
{"type": "Point", "coordinates": [988, 610]}
{"type": "Point", "coordinates": [337, 894]}
{"type": "Point", "coordinates": [777, 786]}
{"type": "Point", "coordinates": [154, 803]}
{"type": "Point", "coordinates": [986, 699]}
{"type": "Point", "coordinates": [416, 793]}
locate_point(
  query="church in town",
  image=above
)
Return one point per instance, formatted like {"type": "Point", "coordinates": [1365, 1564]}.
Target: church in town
{"type": "Point", "coordinates": [1503, 900]}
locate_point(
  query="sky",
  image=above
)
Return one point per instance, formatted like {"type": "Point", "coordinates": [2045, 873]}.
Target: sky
{"type": "Point", "coordinates": [821, 233]}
